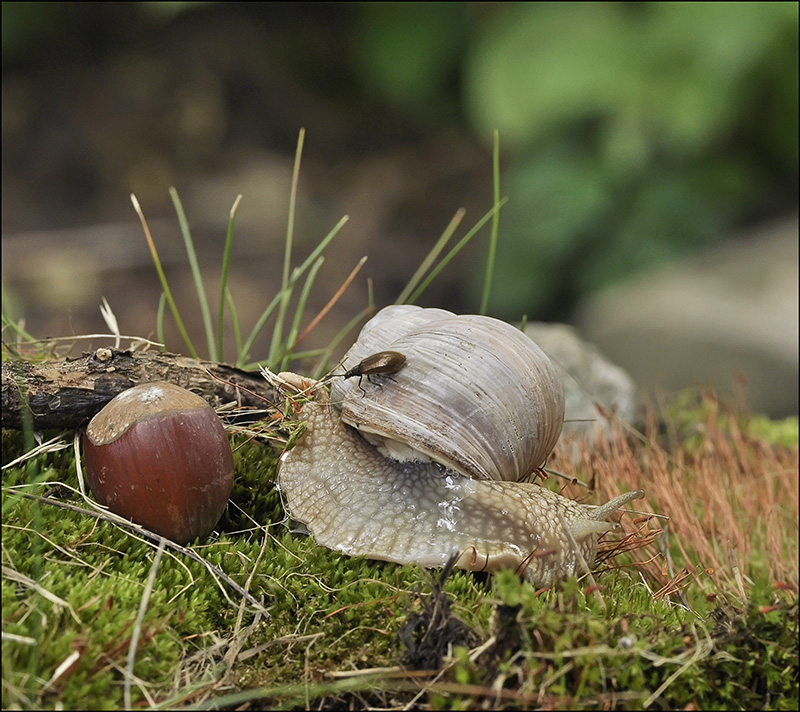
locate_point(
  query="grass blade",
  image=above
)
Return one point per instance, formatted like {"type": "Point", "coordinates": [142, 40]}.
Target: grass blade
{"type": "Point", "coordinates": [286, 291]}
{"type": "Point", "coordinates": [296, 274]}
{"type": "Point", "coordinates": [226, 257]}
{"type": "Point", "coordinates": [311, 353]}
{"type": "Point", "coordinates": [16, 325]}
{"type": "Point", "coordinates": [237, 334]}
{"type": "Point", "coordinates": [298, 271]}
{"type": "Point", "coordinates": [196, 275]}
{"type": "Point", "coordinates": [431, 256]}
{"type": "Point", "coordinates": [458, 247]}
{"type": "Point", "coordinates": [111, 321]}
{"type": "Point", "coordinates": [17, 329]}
{"type": "Point", "coordinates": [245, 351]}
{"type": "Point", "coordinates": [335, 298]}
{"type": "Point", "coordinates": [162, 303]}
{"type": "Point", "coordinates": [164, 284]}
{"type": "Point", "coordinates": [298, 313]}
{"type": "Point", "coordinates": [487, 282]}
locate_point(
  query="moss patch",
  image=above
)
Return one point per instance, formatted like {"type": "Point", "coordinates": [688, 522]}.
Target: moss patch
{"type": "Point", "coordinates": [72, 586]}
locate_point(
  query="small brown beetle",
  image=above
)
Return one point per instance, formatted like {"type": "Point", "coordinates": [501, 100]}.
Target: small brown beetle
{"type": "Point", "coordinates": [381, 362]}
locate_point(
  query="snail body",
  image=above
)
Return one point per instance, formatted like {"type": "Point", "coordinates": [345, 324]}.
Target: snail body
{"type": "Point", "coordinates": [429, 465]}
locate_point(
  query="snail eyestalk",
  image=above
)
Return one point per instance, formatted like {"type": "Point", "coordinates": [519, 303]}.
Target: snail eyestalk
{"type": "Point", "coordinates": [605, 510]}
{"type": "Point", "coordinates": [594, 520]}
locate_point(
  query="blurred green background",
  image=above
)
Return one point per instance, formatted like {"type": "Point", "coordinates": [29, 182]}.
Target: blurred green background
{"type": "Point", "coordinates": [631, 133]}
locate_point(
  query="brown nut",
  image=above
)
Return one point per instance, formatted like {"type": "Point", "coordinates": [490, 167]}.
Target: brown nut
{"type": "Point", "coordinates": [158, 455]}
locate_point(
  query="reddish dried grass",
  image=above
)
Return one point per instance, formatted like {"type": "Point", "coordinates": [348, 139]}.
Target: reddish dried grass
{"type": "Point", "coordinates": [732, 501]}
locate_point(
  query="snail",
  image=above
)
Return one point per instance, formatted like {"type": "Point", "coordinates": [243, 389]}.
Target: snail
{"type": "Point", "coordinates": [433, 462]}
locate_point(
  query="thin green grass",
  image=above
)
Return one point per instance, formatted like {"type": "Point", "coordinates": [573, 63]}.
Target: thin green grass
{"type": "Point", "coordinates": [460, 245]}
{"type": "Point", "coordinates": [284, 294]}
{"type": "Point", "coordinates": [197, 276]}
{"type": "Point", "coordinates": [490, 257]}
{"type": "Point", "coordinates": [16, 328]}
{"type": "Point", "coordinates": [283, 342]}
{"type": "Point", "coordinates": [301, 306]}
{"type": "Point", "coordinates": [224, 294]}
{"type": "Point", "coordinates": [167, 294]}
{"type": "Point", "coordinates": [430, 258]}
{"type": "Point", "coordinates": [277, 340]}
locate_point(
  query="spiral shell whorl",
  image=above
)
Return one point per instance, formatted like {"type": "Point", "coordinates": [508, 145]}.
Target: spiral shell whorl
{"type": "Point", "coordinates": [476, 394]}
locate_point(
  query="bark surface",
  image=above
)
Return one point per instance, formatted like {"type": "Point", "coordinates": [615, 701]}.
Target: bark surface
{"type": "Point", "coordinates": [67, 393]}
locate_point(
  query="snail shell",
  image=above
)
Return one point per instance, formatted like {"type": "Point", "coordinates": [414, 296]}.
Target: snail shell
{"type": "Point", "coordinates": [416, 469]}
{"type": "Point", "coordinates": [475, 395]}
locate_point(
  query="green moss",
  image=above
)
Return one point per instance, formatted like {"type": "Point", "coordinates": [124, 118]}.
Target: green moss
{"type": "Point", "coordinates": [690, 410]}
{"type": "Point", "coordinates": [329, 612]}
{"type": "Point", "coordinates": [783, 433]}
{"type": "Point", "coordinates": [731, 660]}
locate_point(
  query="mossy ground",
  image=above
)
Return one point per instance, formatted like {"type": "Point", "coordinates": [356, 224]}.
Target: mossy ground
{"type": "Point", "coordinates": [72, 587]}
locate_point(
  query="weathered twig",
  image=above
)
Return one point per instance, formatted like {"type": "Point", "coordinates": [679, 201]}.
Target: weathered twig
{"type": "Point", "coordinates": [67, 393]}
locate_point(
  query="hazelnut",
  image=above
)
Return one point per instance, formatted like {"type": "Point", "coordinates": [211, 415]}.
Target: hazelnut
{"type": "Point", "coordinates": [158, 455]}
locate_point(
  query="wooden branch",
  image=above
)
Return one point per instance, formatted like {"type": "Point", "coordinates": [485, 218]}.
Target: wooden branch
{"type": "Point", "coordinates": [67, 393]}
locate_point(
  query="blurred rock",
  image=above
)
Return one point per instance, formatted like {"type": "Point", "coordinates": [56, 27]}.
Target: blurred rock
{"type": "Point", "coordinates": [727, 317]}
{"type": "Point", "coordinates": [595, 390]}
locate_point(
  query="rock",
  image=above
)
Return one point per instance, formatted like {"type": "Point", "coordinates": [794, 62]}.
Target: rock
{"type": "Point", "coordinates": [725, 316]}
{"type": "Point", "coordinates": [596, 392]}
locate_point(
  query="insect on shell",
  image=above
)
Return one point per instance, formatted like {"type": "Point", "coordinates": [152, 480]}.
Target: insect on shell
{"type": "Point", "coordinates": [383, 362]}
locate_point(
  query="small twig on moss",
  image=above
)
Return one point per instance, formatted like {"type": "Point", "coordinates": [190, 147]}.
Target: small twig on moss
{"type": "Point", "coordinates": [67, 393]}
{"type": "Point", "coordinates": [703, 650]}
{"type": "Point", "coordinates": [154, 537]}
{"type": "Point", "coordinates": [43, 592]}
{"type": "Point", "coordinates": [137, 628]}
{"type": "Point", "coordinates": [236, 638]}
{"type": "Point", "coordinates": [53, 445]}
